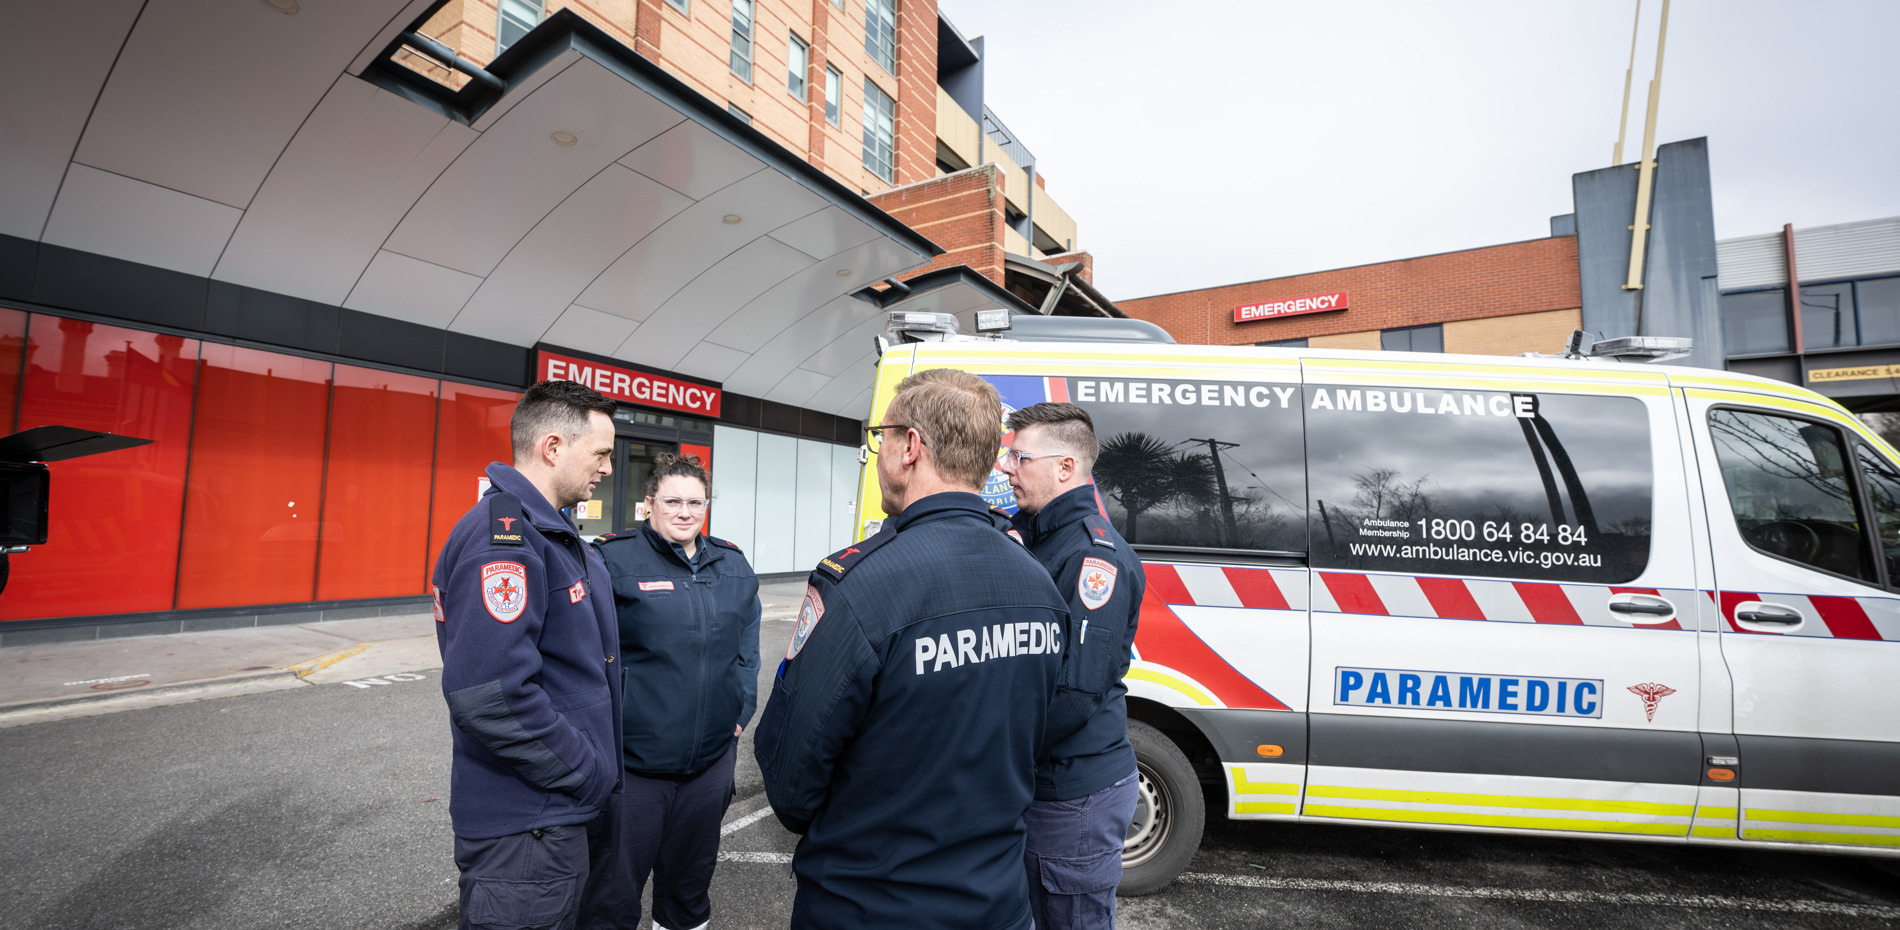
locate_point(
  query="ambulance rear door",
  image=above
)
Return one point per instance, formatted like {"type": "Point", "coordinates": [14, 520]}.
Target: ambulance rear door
{"type": "Point", "coordinates": [1504, 602]}
{"type": "Point", "coordinates": [1804, 521]}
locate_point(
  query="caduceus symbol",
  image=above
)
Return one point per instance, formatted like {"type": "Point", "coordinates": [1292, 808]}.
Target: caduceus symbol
{"type": "Point", "coordinates": [1651, 693]}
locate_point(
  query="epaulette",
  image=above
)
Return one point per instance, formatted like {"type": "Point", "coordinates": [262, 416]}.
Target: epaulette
{"type": "Point", "coordinates": [505, 520]}
{"type": "Point", "coordinates": [724, 542]}
{"type": "Point", "coordinates": [844, 560]}
{"type": "Point", "coordinates": [1101, 532]}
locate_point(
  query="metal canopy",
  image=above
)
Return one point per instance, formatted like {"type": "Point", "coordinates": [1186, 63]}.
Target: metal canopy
{"type": "Point", "coordinates": [235, 142]}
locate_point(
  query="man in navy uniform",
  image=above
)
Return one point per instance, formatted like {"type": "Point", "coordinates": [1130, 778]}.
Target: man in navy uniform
{"type": "Point", "coordinates": [1085, 780]}
{"type": "Point", "coordinates": [529, 645]}
{"type": "Point", "coordinates": [901, 734]}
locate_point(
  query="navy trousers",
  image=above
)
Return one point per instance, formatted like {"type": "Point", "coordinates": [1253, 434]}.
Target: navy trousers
{"type": "Point", "coordinates": [1074, 857]}
{"type": "Point", "coordinates": [666, 826]}
{"type": "Point", "coordinates": [528, 881]}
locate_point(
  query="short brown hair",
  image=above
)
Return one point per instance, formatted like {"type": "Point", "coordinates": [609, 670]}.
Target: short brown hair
{"type": "Point", "coordinates": [553, 407]}
{"type": "Point", "coordinates": [1067, 424]}
{"type": "Point", "coordinates": [960, 417]}
{"type": "Point", "coordinates": [670, 465]}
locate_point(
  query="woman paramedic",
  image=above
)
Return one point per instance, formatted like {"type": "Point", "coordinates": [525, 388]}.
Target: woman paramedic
{"type": "Point", "coordinates": [688, 606]}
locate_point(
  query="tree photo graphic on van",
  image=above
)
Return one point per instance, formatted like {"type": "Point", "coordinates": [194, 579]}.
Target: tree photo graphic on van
{"type": "Point", "coordinates": [1517, 485]}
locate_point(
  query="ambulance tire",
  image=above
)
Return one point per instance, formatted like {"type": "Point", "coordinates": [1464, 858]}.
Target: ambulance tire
{"type": "Point", "coordinates": [1169, 814]}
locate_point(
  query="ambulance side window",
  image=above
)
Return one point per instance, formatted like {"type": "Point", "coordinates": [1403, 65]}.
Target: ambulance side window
{"type": "Point", "coordinates": [1789, 489]}
{"type": "Point", "coordinates": [1202, 464]}
{"type": "Point", "coordinates": [1552, 487]}
{"type": "Point", "coordinates": [1883, 492]}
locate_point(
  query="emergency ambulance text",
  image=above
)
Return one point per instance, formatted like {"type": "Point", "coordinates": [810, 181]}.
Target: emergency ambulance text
{"type": "Point", "coordinates": [1451, 691]}
{"type": "Point", "coordinates": [1523, 406]}
{"type": "Point", "coordinates": [988, 642]}
{"type": "Point", "coordinates": [1204, 395]}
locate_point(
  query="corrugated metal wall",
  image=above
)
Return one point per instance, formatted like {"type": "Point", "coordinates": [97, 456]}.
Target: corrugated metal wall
{"type": "Point", "coordinates": [1822, 253]}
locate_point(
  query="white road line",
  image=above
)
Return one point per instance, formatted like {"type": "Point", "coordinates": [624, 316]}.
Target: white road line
{"type": "Point", "coordinates": [1723, 902]}
{"type": "Point", "coordinates": [746, 821]}
{"type": "Point", "coordinates": [767, 858]}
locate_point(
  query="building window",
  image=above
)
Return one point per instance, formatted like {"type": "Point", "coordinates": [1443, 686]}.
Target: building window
{"type": "Point", "coordinates": [1827, 316]}
{"type": "Point", "coordinates": [880, 32]}
{"type": "Point", "coordinates": [681, 5]}
{"type": "Point", "coordinates": [1755, 322]}
{"type": "Point", "coordinates": [834, 95]}
{"type": "Point", "coordinates": [1413, 339]}
{"type": "Point", "coordinates": [797, 63]}
{"type": "Point", "coordinates": [880, 131]}
{"type": "Point", "coordinates": [742, 40]}
{"type": "Point", "coordinates": [741, 114]}
{"type": "Point", "coordinates": [1879, 306]}
{"type": "Point", "coordinates": [517, 17]}
{"type": "Point", "coordinates": [1299, 343]}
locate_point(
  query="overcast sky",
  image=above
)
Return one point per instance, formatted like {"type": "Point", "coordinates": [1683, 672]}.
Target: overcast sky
{"type": "Point", "coordinates": [1217, 142]}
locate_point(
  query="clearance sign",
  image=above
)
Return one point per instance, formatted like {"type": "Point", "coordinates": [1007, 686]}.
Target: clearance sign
{"type": "Point", "coordinates": [1273, 310]}
{"type": "Point", "coordinates": [639, 387]}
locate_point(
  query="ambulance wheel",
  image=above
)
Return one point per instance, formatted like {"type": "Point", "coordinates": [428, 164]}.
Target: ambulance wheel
{"type": "Point", "coordinates": [1169, 814]}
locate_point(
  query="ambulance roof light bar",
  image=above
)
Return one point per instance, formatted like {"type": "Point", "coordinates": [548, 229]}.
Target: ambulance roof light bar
{"type": "Point", "coordinates": [1583, 346]}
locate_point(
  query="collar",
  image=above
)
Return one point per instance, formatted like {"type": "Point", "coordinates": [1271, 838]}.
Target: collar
{"type": "Point", "coordinates": [534, 504]}
{"type": "Point", "coordinates": [702, 556]}
{"type": "Point", "coordinates": [1068, 507]}
{"type": "Point", "coordinates": [941, 505]}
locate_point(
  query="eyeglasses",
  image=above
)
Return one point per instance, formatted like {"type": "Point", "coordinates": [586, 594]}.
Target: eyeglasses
{"type": "Point", "coordinates": [873, 435]}
{"type": "Point", "coordinates": [677, 504]}
{"type": "Point", "coordinates": [1015, 459]}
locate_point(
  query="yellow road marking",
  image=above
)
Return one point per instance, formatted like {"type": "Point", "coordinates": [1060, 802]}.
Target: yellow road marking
{"type": "Point", "coordinates": [304, 669]}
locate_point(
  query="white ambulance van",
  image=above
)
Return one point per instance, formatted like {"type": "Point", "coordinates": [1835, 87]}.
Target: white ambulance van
{"type": "Point", "coordinates": [1546, 596]}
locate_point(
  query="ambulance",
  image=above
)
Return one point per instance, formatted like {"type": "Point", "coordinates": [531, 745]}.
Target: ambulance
{"type": "Point", "coordinates": [1557, 596]}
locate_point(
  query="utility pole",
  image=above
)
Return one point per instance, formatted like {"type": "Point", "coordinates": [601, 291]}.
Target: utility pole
{"type": "Point", "coordinates": [1622, 124]}
{"type": "Point", "coordinates": [1230, 527]}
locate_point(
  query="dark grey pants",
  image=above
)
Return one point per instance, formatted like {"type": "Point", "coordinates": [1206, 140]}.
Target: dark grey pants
{"type": "Point", "coordinates": [666, 827]}
{"type": "Point", "coordinates": [1074, 857]}
{"type": "Point", "coordinates": [528, 881]}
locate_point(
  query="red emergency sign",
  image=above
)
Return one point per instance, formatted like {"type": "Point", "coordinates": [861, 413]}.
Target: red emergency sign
{"type": "Point", "coordinates": [1274, 309]}
{"type": "Point", "coordinates": [639, 387]}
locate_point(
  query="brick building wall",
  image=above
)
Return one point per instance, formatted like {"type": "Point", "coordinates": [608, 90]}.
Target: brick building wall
{"type": "Point", "coordinates": [695, 46]}
{"type": "Point", "coordinates": [961, 212]}
{"type": "Point", "coordinates": [1534, 278]}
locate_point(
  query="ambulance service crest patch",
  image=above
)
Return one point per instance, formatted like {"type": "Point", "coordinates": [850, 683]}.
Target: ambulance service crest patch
{"type": "Point", "coordinates": [809, 613]}
{"type": "Point", "coordinates": [436, 593]}
{"type": "Point", "coordinates": [504, 589]}
{"type": "Point", "coordinates": [1096, 584]}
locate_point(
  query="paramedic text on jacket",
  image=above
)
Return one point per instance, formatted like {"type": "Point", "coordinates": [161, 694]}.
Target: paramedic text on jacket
{"type": "Point", "coordinates": [529, 647]}
{"type": "Point", "coordinates": [901, 733]}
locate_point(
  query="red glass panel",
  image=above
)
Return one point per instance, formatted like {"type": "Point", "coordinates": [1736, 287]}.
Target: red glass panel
{"type": "Point", "coordinates": [376, 485]}
{"type": "Point", "coordinates": [12, 351]}
{"type": "Point", "coordinates": [112, 546]}
{"type": "Point", "coordinates": [256, 475]}
{"type": "Point", "coordinates": [705, 461]}
{"type": "Point", "coordinates": [471, 432]}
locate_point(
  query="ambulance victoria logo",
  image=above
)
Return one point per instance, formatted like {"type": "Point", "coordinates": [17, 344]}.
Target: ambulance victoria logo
{"type": "Point", "coordinates": [996, 492]}
{"type": "Point", "coordinates": [1096, 584]}
{"type": "Point", "coordinates": [1652, 694]}
{"type": "Point", "coordinates": [504, 589]}
{"type": "Point", "coordinates": [809, 613]}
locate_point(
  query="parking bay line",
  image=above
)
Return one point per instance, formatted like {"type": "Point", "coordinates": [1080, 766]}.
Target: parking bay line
{"type": "Point", "coordinates": [746, 821]}
{"type": "Point", "coordinates": [1719, 902]}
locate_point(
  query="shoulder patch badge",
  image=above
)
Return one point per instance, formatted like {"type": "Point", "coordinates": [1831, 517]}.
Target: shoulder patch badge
{"type": "Point", "coordinates": [809, 613]}
{"type": "Point", "coordinates": [1016, 536]}
{"type": "Point", "coordinates": [1096, 583]}
{"type": "Point", "coordinates": [436, 593]}
{"type": "Point", "coordinates": [576, 593]}
{"type": "Point", "coordinates": [504, 589]}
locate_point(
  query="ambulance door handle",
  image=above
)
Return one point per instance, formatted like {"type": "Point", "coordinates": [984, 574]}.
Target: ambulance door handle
{"type": "Point", "coordinates": [1651, 608]}
{"type": "Point", "coordinates": [1767, 618]}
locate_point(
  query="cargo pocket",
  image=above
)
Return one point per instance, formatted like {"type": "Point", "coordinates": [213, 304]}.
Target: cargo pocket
{"type": "Point", "coordinates": [1082, 874]}
{"type": "Point", "coordinates": [524, 905]}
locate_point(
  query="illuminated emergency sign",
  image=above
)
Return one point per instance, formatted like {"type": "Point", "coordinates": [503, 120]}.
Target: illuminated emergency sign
{"type": "Point", "coordinates": [1274, 309]}
{"type": "Point", "coordinates": [633, 386]}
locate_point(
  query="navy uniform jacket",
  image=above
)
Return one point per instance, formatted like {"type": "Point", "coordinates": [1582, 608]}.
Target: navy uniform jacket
{"type": "Point", "coordinates": [1101, 578]}
{"type": "Point", "coordinates": [528, 650]}
{"type": "Point", "coordinates": [689, 648]}
{"type": "Point", "coordinates": [902, 730]}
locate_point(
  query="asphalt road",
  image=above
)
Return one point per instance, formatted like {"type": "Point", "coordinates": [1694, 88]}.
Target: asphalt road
{"type": "Point", "coordinates": [326, 807]}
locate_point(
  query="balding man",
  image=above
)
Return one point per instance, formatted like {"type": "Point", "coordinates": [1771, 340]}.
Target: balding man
{"type": "Point", "coordinates": [903, 727]}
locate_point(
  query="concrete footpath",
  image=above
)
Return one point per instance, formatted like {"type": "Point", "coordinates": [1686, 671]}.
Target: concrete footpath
{"type": "Point", "coordinates": [60, 680]}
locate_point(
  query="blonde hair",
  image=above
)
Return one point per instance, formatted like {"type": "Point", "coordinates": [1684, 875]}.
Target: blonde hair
{"type": "Point", "coordinates": [960, 416]}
